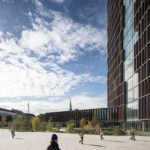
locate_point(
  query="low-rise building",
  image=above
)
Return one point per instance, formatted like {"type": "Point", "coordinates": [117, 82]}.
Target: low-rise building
{"type": "Point", "coordinates": [104, 115]}
{"type": "Point", "coordinates": [14, 113]}
{"type": "Point", "coordinates": [6, 112]}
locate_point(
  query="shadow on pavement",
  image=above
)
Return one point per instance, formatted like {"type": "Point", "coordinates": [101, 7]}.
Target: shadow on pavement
{"type": "Point", "coordinates": [94, 145]}
{"type": "Point", "coordinates": [142, 141]}
{"type": "Point", "coordinates": [19, 138]}
{"type": "Point", "coordinates": [114, 141]}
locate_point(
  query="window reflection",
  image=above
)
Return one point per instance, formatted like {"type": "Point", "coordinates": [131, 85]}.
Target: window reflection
{"type": "Point", "coordinates": [131, 78]}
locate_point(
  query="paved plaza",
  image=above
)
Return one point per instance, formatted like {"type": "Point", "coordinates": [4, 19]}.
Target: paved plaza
{"type": "Point", "coordinates": [40, 141]}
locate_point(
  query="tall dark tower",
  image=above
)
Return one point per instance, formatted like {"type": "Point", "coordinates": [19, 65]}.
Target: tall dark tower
{"type": "Point", "coordinates": [116, 84]}
{"type": "Point", "coordinates": [129, 61]}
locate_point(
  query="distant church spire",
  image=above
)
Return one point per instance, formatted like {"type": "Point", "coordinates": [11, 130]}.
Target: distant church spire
{"type": "Point", "coordinates": [70, 109]}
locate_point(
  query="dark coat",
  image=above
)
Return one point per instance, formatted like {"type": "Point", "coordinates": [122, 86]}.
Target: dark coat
{"type": "Point", "coordinates": [53, 146]}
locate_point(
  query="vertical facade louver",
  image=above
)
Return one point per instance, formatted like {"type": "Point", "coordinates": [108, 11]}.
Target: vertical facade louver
{"type": "Point", "coordinates": [129, 61]}
{"type": "Point", "coordinates": [142, 55]}
{"type": "Point", "coordinates": [116, 84]}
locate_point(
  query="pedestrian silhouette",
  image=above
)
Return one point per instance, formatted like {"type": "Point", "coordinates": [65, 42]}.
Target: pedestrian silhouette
{"type": "Point", "coordinates": [12, 133]}
{"type": "Point", "coordinates": [101, 134]}
{"type": "Point", "coordinates": [54, 143]}
{"type": "Point", "coordinates": [81, 136]}
{"type": "Point", "coordinates": [132, 134]}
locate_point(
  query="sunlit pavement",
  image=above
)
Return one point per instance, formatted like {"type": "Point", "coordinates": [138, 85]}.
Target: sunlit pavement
{"type": "Point", "coordinates": [40, 141]}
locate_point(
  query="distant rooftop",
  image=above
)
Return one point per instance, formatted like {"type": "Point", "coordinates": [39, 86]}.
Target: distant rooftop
{"type": "Point", "coordinates": [17, 111]}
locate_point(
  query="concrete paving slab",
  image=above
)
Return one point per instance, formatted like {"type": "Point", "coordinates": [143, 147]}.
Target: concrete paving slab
{"type": "Point", "coordinates": [40, 141]}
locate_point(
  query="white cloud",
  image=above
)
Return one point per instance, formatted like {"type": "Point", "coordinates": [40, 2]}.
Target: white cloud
{"type": "Point", "coordinates": [34, 40]}
{"type": "Point", "coordinates": [42, 106]}
{"type": "Point", "coordinates": [22, 73]}
{"type": "Point", "coordinates": [8, 1]}
{"type": "Point", "coordinates": [64, 37]}
{"type": "Point", "coordinates": [86, 102]}
{"type": "Point", "coordinates": [1, 34]}
{"type": "Point", "coordinates": [57, 1]}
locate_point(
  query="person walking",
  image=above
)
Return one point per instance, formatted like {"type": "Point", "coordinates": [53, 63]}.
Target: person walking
{"type": "Point", "coordinates": [81, 136]}
{"type": "Point", "coordinates": [132, 135]}
{"type": "Point", "coordinates": [54, 143]}
{"type": "Point", "coordinates": [12, 133]}
{"type": "Point", "coordinates": [101, 134]}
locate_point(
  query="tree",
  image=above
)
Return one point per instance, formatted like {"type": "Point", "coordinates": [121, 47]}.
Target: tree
{"type": "Point", "coordinates": [50, 126]}
{"type": "Point", "coordinates": [82, 123]}
{"type": "Point", "coordinates": [43, 126]}
{"type": "Point", "coordinates": [36, 124]}
{"type": "Point", "coordinates": [21, 123]}
{"type": "Point", "coordinates": [94, 120]}
{"type": "Point", "coordinates": [17, 123]}
{"type": "Point", "coordinates": [41, 117]}
{"type": "Point", "coordinates": [97, 127]}
{"type": "Point", "coordinates": [9, 118]}
{"type": "Point", "coordinates": [50, 119]}
{"type": "Point", "coordinates": [27, 124]}
{"type": "Point", "coordinates": [3, 122]}
{"type": "Point", "coordinates": [70, 127]}
{"type": "Point", "coordinates": [76, 110]}
{"type": "Point", "coordinates": [58, 125]}
{"type": "Point", "coordinates": [88, 127]}
{"type": "Point", "coordinates": [70, 121]}
{"type": "Point", "coordinates": [0, 117]}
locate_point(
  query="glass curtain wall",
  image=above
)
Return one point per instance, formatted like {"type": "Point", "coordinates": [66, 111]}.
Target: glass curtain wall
{"type": "Point", "coordinates": [129, 39]}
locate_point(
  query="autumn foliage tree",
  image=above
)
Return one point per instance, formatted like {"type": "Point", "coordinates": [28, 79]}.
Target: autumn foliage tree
{"type": "Point", "coordinates": [35, 124]}
{"type": "Point", "coordinates": [88, 127]}
{"type": "Point", "coordinates": [82, 123]}
{"type": "Point", "coordinates": [0, 118]}
{"type": "Point", "coordinates": [50, 126]}
{"type": "Point", "coordinates": [3, 122]}
{"type": "Point", "coordinates": [94, 120]}
{"type": "Point", "coordinates": [17, 123]}
{"type": "Point", "coordinates": [97, 127]}
{"type": "Point", "coordinates": [70, 127]}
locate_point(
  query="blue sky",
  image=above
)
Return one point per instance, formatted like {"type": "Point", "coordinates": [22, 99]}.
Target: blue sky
{"type": "Point", "coordinates": [52, 51]}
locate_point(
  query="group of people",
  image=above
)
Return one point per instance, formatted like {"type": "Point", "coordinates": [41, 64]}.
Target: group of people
{"type": "Point", "coordinates": [54, 139]}
{"type": "Point", "coordinates": [82, 136]}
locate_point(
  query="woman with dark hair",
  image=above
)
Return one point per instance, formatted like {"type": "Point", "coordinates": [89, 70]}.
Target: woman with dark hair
{"type": "Point", "coordinates": [54, 143]}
